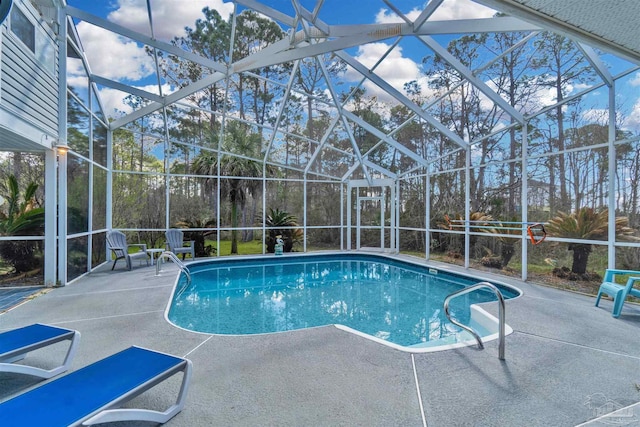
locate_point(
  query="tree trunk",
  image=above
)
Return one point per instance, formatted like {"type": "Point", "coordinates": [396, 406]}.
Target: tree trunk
{"type": "Point", "coordinates": [508, 250]}
{"type": "Point", "coordinates": [552, 184]}
{"type": "Point", "coordinates": [565, 203]}
{"type": "Point", "coordinates": [580, 257]}
{"type": "Point", "coordinates": [17, 165]}
{"type": "Point", "coordinates": [234, 221]}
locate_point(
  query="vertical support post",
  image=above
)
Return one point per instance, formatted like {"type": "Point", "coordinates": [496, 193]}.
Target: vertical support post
{"type": "Point", "coordinates": [467, 207]}
{"type": "Point", "coordinates": [342, 216]}
{"type": "Point", "coordinates": [264, 207]}
{"type": "Point", "coordinates": [109, 192]}
{"type": "Point", "coordinates": [304, 214]}
{"type": "Point", "coordinates": [349, 204]}
{"type": "Point", "coordinates": [109, 195]}
{"type": "Point", "coordinates": [358, 219]}
{"type": "Point", "coordinates": [90, 219]}
{"type": "Point", "coordinates": [611, 238]}
{"type": "Point", "coordinates": [62, 219]}
{"type": "Point", "coordinates": [524, 202]}
{"type": "Point", "coordinates": [427, 215]}
{"type": "Point", "coordinates": [383, 205]}
{"type": "Point", "coordinates": [395, 217]}
{"type": "Point", "coordinates": [167, 175]}
{"type": "Point", "coordinates": [91, 181]}
{"type": "Point", "coordinates": [50, 200]}
{"type": "Point", "coordinates": [62, 158]}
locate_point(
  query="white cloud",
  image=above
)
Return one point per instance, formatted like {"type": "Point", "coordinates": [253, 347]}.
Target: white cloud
{"type": "Point", "coordinates": [632, 121]}
{"type": "Point", "coordinates": [461, 9]}
{"type": "Point", "coordinates": [170, 17]}
{"type": "Point", "coordinates": [595, 115]}
{"type": "Point", "coordinates": [386, 16]}
{"type": "Point", "coordinates": [635, 81]}
{"type": "Point", "coordinates": [75, 76]}
{"type": "Point", "coordinates": [398, 70]}
{"type": "Point", "coordinates": [395, 69]}
{"type": "Point", "coordinates": [113, 56]}
{"type": "Point", "coordinates": [118, 58]}
{"type": "Point", "coordinates": [113, 100]}
{"type": "Point", "coordinates": [448, 10]}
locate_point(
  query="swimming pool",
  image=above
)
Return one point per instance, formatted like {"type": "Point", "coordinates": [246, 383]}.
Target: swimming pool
{"type": "Point", "coordinates": [394, 302]}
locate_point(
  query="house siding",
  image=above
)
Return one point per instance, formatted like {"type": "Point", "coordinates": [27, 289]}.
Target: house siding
{"type": "Point", "coordinates": [27, 89]}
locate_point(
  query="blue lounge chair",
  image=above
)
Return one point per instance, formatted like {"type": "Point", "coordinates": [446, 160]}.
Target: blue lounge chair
{"type": "Point", "coordinates": [618, 292]}
{"type": "Point", "coordinates": [94, 394]}
{"type": "Point", "coordinates": [15, 344]}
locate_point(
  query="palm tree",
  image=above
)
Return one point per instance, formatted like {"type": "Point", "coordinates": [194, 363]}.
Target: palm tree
{"type": "Point", "coordinates": [199, 237]}
{"type": "Point", "coordinates": [277, 218]}
{"type": "Point", "coordinates": [238, 172]}
{"type": "Point", "coordinates": [21, 218]}
{"type": "Point", "coordinates": [587, 224]}
{"type": "Point", "coordinates": [507, 244]}
{"type": "Point", "coordinates": [478, 221]}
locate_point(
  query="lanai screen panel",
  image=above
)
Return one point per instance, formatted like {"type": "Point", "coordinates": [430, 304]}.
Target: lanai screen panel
{"type": "Point", "coordinates": [299, 99]}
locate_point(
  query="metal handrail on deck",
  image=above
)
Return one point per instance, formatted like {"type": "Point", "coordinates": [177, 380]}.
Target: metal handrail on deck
{"type": "Point", "coordinates": [176, 260]}
{"type": "Point", "coordinates": [181, 266]}
{"type": "Point", "coordinates": [469, 329]}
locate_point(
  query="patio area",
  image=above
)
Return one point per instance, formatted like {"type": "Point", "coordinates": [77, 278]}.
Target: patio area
{"type": "Point", "coordinates": [567, 362]}
{"type": "Point", "coordinates": [12, 296]}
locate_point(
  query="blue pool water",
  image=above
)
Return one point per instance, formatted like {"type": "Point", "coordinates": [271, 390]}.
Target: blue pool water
{"type": "Point", "coordinates": [391, 300]}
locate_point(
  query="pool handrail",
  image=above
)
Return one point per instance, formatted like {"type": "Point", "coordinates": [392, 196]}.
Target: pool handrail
{"type": "Point", "coordinates": [501, 308]}
{"type": "Point", "coordinates": [176, 260]}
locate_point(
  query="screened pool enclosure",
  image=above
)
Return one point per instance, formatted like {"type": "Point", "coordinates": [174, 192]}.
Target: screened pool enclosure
{"type": "Point", "coordinates": [496, 134]}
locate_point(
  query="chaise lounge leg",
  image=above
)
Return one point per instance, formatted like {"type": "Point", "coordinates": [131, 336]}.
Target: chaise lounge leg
{"type": "Point", "coordinates": [119, 414]}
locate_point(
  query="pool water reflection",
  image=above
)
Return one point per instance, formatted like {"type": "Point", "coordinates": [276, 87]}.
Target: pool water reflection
{"type": "Point", "coordinates": [392, 300]}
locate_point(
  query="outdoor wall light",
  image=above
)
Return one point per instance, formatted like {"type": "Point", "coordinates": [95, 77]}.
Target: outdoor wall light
{"type": "Point", "coordinates": [61, 147]}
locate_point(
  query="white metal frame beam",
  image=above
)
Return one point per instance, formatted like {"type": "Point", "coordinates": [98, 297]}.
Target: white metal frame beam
{"type": "Point", "coordinates": [400, 98]}
{"type": "Point", "coordinates": [268, 11]}
{"type": "Point", "coordinates": [343, 37]}
{"type": "Point", "coordinates": [348, 36]}
{"type": "Point", "coordinates": [311, 17]}
{"type": "Point", "coordinates": [429, 10]}
{"type": "Point", "coordinates": [471, 78]}
{"type": "Point", "coordinates": [141, 38]}
{"type": "Point", "coordinates": [384, 137]}
{"type": "Point", "coordinates": [169, 99]}
{"type": "Point", "coordinates": [296, 65]}
{"type": "Point", "coordinates": [126, 88]}
{"type": "Point", "coordinates": [596, 63]}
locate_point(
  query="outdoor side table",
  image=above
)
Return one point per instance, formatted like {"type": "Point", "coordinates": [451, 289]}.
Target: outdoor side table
{"type": "Point", "coordinates": [155, 251]}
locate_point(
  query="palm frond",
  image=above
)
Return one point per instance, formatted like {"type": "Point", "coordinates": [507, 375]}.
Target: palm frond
{"type": "Point", "coordinates": [587, 224]}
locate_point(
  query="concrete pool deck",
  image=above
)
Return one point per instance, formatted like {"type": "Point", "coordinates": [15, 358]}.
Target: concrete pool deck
{"type": "Point", "coordinates": [567, 362]}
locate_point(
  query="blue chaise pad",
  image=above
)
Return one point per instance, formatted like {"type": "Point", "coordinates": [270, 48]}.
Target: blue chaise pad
{"type": "Point", "coordinates": [74, 397]}
{"type": "Point", "coordinates": [24, 337]}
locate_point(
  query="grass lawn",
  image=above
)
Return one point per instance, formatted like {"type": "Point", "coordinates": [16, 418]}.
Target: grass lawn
{"type": "Point", "coordinates": [252, 247]}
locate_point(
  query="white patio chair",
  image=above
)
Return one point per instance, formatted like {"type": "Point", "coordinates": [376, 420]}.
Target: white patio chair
{"type": "Point", "coordinates": [176, 243]}
{"type": "Point", "coordinates": [117, 242]}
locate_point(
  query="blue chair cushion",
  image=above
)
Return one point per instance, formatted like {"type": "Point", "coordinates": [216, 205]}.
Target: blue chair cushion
{"type": "Point", "coordinates": [21, 338]}
{"type": "Point", "coordinates": [82, 393]}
